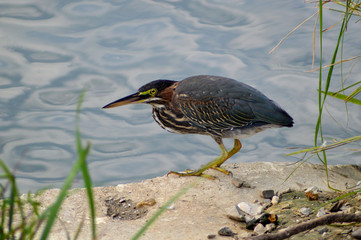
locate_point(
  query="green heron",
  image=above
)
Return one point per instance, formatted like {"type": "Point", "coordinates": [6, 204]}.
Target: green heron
{"type": "Point", "coordinates": [209, 105]}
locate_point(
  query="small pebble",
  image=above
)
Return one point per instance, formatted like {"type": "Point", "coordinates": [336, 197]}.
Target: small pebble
{"type": "Point", "coordinates": [275, 200]}
{"type": "Point", "coordinates": [171, 207]}
{"type": "Point", "coordinates": [264, 219]}
{"type": "Point", "coordinates": [211, 236]}
{"type": "Point", "coordinates": [268, 194]}
{"type": "Point", "coordinates": [322, 230]}
{"type": "Point", "coordinates": [305, 211]}
{"type": "Point", "coordinates": [231, 211]}
{"type": "Point", "coordinates": [249, 208]}
{"type": "Point", "coordinates": [260, 229]}
{"type": "Point", "coordinates": [313, 189]}
{"type": "Point", "coordinates": [321, 212]}
{"type": "Point", "coordinates": [226, 231]}
{"type": "Point", "coordinates": [236, 218]}
{"type": "Point", "coordinates": [238, 183]}
{"type": "Point", "coordinates": [356, 234]}
{"type": "Point", "coordinates": [270, 227]}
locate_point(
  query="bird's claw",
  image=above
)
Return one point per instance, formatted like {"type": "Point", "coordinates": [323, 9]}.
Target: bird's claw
{"type": "Point", "coordinates": [188, 173]}
{"type": "Point", "coordinates": [223, 170]}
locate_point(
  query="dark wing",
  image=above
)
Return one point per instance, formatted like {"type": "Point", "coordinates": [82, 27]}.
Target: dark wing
{"type": "Point", "coordinates": [217, 104]}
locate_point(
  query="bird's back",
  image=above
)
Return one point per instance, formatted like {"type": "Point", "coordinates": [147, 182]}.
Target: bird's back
{"type": "Point", "coordinates": [219, 104]}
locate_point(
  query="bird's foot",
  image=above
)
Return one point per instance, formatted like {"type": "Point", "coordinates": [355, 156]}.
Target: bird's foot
{"type": "Point", "coordinates": [222, 170]}
{"type": "Point", "coordinates": [192, 173]}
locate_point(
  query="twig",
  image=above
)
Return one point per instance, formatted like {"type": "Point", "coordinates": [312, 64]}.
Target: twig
{"type": "Point", "coordinates": [284, 38]}
{"type": "Point", "coordinates": [324, 220]}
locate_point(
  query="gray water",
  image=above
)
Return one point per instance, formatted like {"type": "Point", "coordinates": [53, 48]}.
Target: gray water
{"type": "Point", "coordinates": [51, 50]}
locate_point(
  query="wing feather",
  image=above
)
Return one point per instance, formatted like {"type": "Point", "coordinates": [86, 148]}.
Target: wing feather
{"type": "Point", "coordinates": [218, 104]}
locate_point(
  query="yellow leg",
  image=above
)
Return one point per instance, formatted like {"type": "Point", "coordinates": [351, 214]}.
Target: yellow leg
{"type": "Point", "coordinates": [215, 164]}
{"type": "Point", "coordinates": [237, 146]}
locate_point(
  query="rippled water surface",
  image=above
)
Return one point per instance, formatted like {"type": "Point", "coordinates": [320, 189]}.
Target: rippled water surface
{"type": "Point", "coordinates": [51, 50]}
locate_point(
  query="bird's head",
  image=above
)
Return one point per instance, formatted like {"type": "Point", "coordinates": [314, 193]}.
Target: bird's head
{"type": "Point", "coordinates": [157, 93]}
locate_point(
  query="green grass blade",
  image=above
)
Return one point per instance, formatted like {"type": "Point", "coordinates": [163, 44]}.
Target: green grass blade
{"type": "Point", "coordinates": [327, 147]}
{"type": "Point", "coordinates": [13, 200]}
{"type": "Point", "coordinates": [82, 154]}
{"type": "Point", "coordinates": [318, 129]}
{"type": "Point", "coordinates": [88, 186]}
{"type": "Point", "coordinates": [321, 101]}
{"type": "Point", "coordinates": [52, 211]}
{"type": "Point", "coordinates": [353, 94]}
{"type": "Point", "coordinates": [350, 86]}
{"type": "Point", "coordinates": [343, 97]}
{"type": "Point", "coordinates": [337, 199]}
{"type": "Point", "coordinates": [300, 163]}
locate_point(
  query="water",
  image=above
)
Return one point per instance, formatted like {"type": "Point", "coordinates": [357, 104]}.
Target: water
{"type": "Point", "coordinates": [51, 50]}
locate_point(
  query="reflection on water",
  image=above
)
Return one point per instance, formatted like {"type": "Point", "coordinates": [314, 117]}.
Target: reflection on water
{"type": "Point", "coordinates": [50, 51]}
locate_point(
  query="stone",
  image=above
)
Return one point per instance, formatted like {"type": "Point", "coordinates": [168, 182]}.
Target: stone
{"type": "Point", "coordinates": [211, 236]}
{"type": "Point", "coordinates": [275, 200]}
{"type": "Point", "coordinates": [233, 214]}
{"type": "Point", "coordinates": [171, 207]}
{"type": "Point", "coordinates": [270, 227]}
{"type": "Point", "coordinates": [238, 183]}
{"type": "Point", "coordinates": [260, 229]}
{"type": "Point", "coordinates": [264, 219]}
{"type": "Point", "coordinates": [249, 208]}
{"type": "Point", "coordinates": [323, 230]}
{"type": "Point", "coordinates": [313, 189]}
{"type": "Point", "coordinates": [268, 194]}
{"type": "Point", "coordinates": [321, 212]}
{"type": "Point", "coordinates": [305, 211]}
{"type": "Point", "coordinates": [226, 231]}
{"type": "Point", "coordinates": [356, 234]}
{"type": "Point", "coordinates": [237, 218]}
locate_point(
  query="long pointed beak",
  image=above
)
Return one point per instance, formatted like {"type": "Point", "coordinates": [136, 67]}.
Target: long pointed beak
{"type": "Point", "coordinates": [134, 98]}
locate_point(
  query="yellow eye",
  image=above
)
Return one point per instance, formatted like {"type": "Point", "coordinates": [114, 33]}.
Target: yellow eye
{"type": "Point", "coordinates": [153, 91]}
